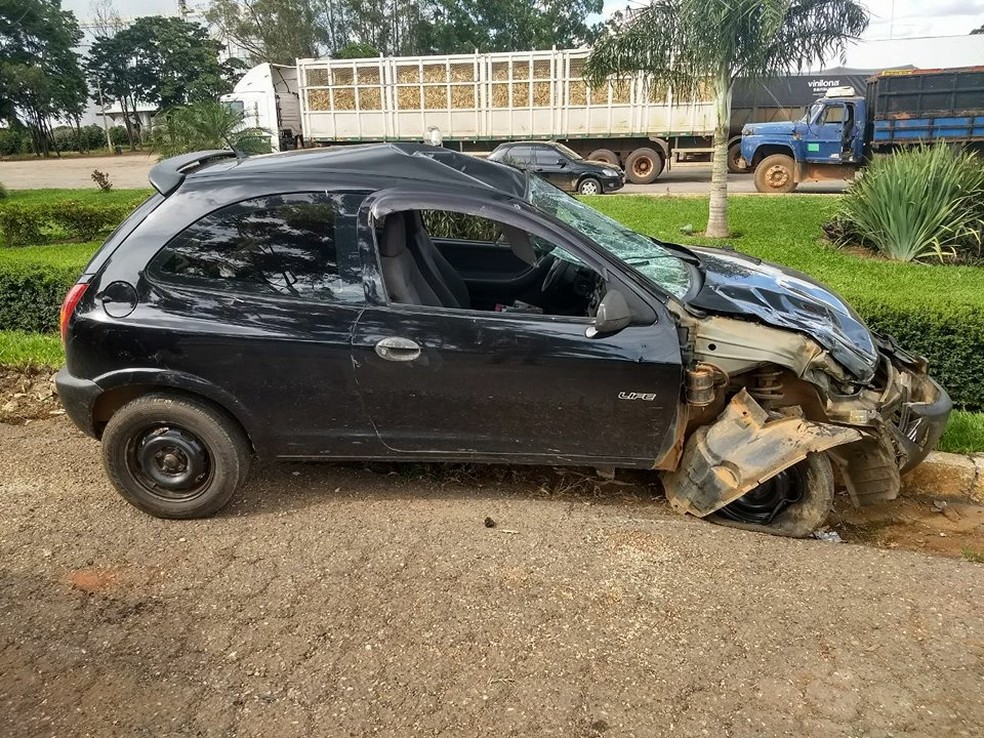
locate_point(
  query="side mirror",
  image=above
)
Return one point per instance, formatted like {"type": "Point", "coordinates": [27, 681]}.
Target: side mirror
{"type": "Point", "coordinates": [613, 315]}
{"type": "Point", "coordinates": [561, 162]}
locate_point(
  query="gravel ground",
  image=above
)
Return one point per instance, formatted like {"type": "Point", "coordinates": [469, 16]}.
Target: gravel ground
{"type": "Point", "coordinates": [335, 600]}
{"type": "Point", "coordinates": [131, 171]}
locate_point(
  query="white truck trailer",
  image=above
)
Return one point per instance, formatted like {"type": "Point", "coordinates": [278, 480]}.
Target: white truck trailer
{"type": "Point", "coordinates": [474, 102]}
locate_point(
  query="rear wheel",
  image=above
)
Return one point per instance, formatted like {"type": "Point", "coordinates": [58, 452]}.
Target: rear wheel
{"type": "Point", "coordinates": [734, 154]}
{"type": "Point", "coordinates": [643, 166]}
{"type": "Point", "coordinates": [776, 173]}
{"type": "Point", "coordinates": [604, 155]}
{"type": "Point", "coordinates": [589, 186]}
{"type": "Point", "coordinates": [795, 502]}
{"type": "Point", "coordinates": [175, 456]}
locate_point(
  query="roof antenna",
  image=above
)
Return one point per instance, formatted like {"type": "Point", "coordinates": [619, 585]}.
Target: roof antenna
{"type": "Point", "coordinates": [239, 154]}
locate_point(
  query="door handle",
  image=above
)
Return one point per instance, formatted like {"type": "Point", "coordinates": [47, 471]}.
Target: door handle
{"type": "Point", "coordinates": [397, 349]}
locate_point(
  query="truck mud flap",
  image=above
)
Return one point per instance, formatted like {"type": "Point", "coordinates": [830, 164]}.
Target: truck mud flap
{"type": "Point", "coordinates": [740, 450]}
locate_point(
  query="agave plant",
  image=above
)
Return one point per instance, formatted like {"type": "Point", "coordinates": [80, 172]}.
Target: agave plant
{"type": "Point", "coordinates": [923, 203]}
{"type": "Point", "coordinates": [206, 125]}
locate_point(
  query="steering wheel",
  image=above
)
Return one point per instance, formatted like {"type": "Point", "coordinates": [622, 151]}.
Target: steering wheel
{"type": "Point", "coordinates": [554, 274]}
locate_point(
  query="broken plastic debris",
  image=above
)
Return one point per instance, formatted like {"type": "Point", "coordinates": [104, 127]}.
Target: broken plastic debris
{"type": "Point", "coordinates": [830, 536]}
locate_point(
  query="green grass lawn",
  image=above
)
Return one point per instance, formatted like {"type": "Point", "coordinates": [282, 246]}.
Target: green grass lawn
{"type": "Point", "coordinates": [30, 349]}
{"type": "Point", "coordinates": [91, 194]}
{"type": "Point", "coordinates": [69, 255]}
{"type": "Point", "coordinates": [786, 230]}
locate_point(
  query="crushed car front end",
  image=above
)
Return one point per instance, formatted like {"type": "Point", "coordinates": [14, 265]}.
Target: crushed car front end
{"type": "Point", "coordinates": [779, 369]}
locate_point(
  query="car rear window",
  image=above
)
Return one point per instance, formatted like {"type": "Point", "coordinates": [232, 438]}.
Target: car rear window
{"type": "Point", "coordinates": [274, 245]}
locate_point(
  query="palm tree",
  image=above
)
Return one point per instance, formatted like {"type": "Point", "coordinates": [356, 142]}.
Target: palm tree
{"type": "Point", "coordinates": [690, 44]}
{"type": "Point", "coordinates": [206, 125]}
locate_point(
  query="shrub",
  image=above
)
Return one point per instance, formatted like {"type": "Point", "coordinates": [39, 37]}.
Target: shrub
{"type": "Point", "coordinates": [118, 136]}
{"type": "Point", "coordinates": [93, 137]}
{"type": "Point", "coordinates": [70, 220]}
{"type": "Point", "coordinates": [14, 141]}
{"type": "Point", "coordinates": [917, 204]}
{"type": "Point", "coordinates": [102, 180]}
{"type": "Point", "coordinates": [31, 295]}
{"type": "Point", "coordinates": [3, 192]}
{"type": "Point", "coordinates": [951, 335]}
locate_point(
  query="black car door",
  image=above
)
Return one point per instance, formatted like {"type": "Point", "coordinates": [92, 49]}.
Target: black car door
{"type": "Point", "coordinates": [554, 167]}
{"type": "Point", "coordinates": [259, 300]}
{"type": "Point", "coordinates": [461, 382]}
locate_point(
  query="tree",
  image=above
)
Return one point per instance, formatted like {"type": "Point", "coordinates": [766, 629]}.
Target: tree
{"type": "Point", "coordinates": [277, 31]}
{"type": "Point", "coordinates": [161, 61]}
{"type": "Point", "coordinates": [282, 30]}
{"type": "Point", "coordinates": [691, 44]}
{"type": "Point", "coordinates": [40, 78]}
{"type": "Point", "coordinates": [206, 125]}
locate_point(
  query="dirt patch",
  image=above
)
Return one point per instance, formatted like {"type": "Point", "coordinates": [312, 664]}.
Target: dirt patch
{"type": "Point", "coordinates": [27, 394]}
{"type": "Point", "coordinates": [953, 529]}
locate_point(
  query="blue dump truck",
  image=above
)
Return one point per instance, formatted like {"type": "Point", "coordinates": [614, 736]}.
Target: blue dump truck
{"type": "Point", "coordinates": [842, 130]}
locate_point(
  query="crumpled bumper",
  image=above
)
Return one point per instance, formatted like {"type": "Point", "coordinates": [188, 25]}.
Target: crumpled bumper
{"type": "Point", "coordinates": [874, 437]}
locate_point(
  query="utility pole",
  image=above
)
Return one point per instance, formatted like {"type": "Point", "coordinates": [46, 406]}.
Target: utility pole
{"type": "Point", "coordinates": [102, 109]}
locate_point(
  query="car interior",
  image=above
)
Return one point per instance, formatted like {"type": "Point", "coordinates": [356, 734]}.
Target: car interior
{"type": "Point", "coordinates": [466, 262]}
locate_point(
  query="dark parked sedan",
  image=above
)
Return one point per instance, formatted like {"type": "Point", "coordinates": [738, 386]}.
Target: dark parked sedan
{"type": "Point", "coordinates": [405, 302]}
{"type": "Point", "coordinates": [561, 167]}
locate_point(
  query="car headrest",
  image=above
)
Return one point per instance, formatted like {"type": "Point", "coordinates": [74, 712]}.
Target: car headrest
{"type": "Point", "coordinates": [394, 239]}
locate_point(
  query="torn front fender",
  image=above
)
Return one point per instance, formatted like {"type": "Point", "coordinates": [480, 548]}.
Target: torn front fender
{"type": "Point", "coordinates": [741, 449]}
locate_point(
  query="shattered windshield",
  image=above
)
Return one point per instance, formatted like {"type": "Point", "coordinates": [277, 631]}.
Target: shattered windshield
{"type": "Point", "coordinates": [644, 255]}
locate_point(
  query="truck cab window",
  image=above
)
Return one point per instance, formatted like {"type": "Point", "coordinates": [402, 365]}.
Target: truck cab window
{"type": "Point", "coordinates": [833, 114]}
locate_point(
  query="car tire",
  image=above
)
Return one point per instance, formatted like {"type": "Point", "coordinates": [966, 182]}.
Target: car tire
{"type": "Point", "coordinates": [604, 155]}
{"type": "Point", "coordinates": [590, 186]}
{"type": "Point", "coordinates": [643, 166]}
{"type": "Point", "coordinates": [734, 154]}
{"type": "Point", "coordinates": [798, 519]}
{"type": "Point", "coordinates": [175, 456]}
{"type": "Point", "coordinates": [776, 173]}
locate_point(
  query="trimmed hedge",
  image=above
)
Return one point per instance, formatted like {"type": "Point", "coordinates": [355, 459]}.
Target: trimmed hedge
{"type": "Point", "coordinates": [951, 335]}
{"type": "Point", "coordinates": [31, 295]}
{"type": "Point", "coordinates": [68, 220]}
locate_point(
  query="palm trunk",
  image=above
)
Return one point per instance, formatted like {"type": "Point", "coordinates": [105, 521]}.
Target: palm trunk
{"type": "Point", "coordinates": [717, 217]}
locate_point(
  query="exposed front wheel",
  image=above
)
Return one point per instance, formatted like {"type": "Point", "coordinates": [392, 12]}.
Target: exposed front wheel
{"type": "Point", "coordinates": [175, 456]}
{"type": "Point", "coordinates": [794, 503]}
{"type": "Point", "coordinates": [776, 173]}
{"type": "Point", "coordinates": [589, 186]}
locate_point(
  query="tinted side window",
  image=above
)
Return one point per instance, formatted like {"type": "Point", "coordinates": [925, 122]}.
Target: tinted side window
{"type": "Point", "coordinates": [275, 245]}
{"type": "Point", "coordinates": [520, 154]}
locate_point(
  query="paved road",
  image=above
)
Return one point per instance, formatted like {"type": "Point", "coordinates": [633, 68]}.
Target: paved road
{"type": "Point", "coordinates": [131, 171]}
{"type": "Point", "coordinates": [342, 601]}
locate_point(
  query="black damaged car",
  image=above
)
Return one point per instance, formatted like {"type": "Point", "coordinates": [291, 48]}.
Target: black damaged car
{"type": "Point", "coordinates": [406, 302]}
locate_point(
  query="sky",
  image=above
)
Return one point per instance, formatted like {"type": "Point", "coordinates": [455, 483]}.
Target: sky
{"type": "Point", "coordinates": [889, 18]}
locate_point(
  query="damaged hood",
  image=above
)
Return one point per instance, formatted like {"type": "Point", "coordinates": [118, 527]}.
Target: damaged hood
{"type": "Point", "coordinates": [739, 285]}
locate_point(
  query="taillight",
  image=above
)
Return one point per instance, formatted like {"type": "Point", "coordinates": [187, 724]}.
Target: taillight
{"type": "Point", "coordinates": [68, 306]}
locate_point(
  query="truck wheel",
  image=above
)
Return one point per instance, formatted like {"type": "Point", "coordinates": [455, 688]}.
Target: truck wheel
{"type": "Point", "coordinates": [643, 166]}
{"type": "Point", "coordinates": [794, 503]}
{"type": "Point", "coordinates": [776, 173]}
{"type": "Point", "coordinates": [174, 456]}
{"type": "Point", "coordinates": [734, 154]}
{"type": "Point", "coordinates": [589, 186]}
{"type": "Point", "coordinates": [606, 156]}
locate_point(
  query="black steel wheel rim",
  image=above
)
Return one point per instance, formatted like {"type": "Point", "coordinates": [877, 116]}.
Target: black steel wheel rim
{"type": "Point", "coordinates": [169, 462]}
{"type": "Point", "coordinates": [762, 504]}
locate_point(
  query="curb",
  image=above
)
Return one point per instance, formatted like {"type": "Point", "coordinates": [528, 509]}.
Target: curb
{"type": "Point", "coordinates": [947, 476]}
